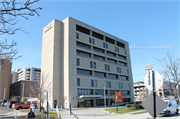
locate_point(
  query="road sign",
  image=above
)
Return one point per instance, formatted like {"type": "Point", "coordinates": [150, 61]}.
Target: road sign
{"type": "Point", "coordinates": [158, 80]}
{"type": "Point", "coordinates": [148, 105]}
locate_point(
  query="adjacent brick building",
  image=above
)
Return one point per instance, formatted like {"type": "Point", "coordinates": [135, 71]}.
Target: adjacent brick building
{"type": "Point", "coordinates": [5, 78]}
{"type": "Point", "coordinates": [16, 89]}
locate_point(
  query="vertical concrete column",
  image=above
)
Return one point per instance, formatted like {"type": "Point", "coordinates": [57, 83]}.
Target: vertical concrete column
{"type": "Point", "coordinates": [108, 101]}
{"type": "Point", "coordinates": [93, 91]}
{"type": "Point", "coordinates": [115, 43]}
{"type": "Point", "coordinates": [31, 74]}
{"type": "Point", "coordinates": [93, 75]}
{"type": "Point", "coordinates": [90, 33]}
{"type": "Point", "coordinates": [24, 73]}
{"type": "Point", "coordinates": [104, 38]}
{"type": "Point", "coordinates": [108, 98]}
{"type": "Point", "coordinates": [105, 57]}
{"type": "Point", "coordinates": [94, 103]}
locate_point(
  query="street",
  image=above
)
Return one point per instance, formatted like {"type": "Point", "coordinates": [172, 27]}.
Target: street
{"type": "Point", "coordinates": [4, 113]}
{"type": "Point", "coordinates": [98, 113]}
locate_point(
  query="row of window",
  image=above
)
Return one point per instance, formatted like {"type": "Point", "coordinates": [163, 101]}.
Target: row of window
{"type": "Point", "coordinates": [97, 35]}
{"type": "Point", "coordinates": [111, 54]}
{"type": "Point", "coordinates": [84, 72]}
{"type": "Point", "coordinates": [108, 84]}
{"type": "Point", "coordinates": [98, 50]}
{"type": "Point", "coordinates": [106, 67]}
{"type": "Point", "coordinates": [101, 74]}
{"type": "Point", "coordinates": [101, 50]}
{"type": "Point", "coordinates": [85, 54]}
{"type": "Point", "coordinates": [100, 92]}
{"type": "Point", "coordinates": [83, 45]}
{"type": "Point", "coordinates": [105, 45]}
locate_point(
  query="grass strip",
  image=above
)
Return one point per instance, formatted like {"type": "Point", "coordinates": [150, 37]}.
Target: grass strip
{"type": "Point", "coordinates": [121, 110]}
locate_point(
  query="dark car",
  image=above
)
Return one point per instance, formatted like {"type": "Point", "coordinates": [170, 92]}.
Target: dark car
{"type": "Point", "coordinates": [12, 102]}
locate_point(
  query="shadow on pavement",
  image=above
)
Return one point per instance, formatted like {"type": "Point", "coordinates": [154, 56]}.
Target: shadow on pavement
{"type": "Point", "coordinates": [173, 115]}
{"type": "Point", "coordinates": [6, 117]}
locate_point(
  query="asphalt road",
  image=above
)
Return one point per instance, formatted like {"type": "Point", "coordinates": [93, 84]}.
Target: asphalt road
{"type": "Point", "coordinates": [98, 113]}
{"type": "Point", "coordinates": [4, 111]}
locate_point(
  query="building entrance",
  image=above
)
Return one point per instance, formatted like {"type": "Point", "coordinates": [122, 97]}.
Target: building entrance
{"type": "Point", "coordinates": [85, 103]}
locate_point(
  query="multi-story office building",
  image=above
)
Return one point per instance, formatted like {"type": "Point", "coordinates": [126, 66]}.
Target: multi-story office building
{"type": "Point", "coordinates": [78, 60]}
{"type": "Point", "coordinates": [14, 75]}
{"type": "Point", "coordinates": [166, 90]}
{"type": "Point", "coordinates": [140, 91]}
{"type": "Point", "coordinates": [5, 78]}
{"type": "Point", "coordinates": [30, 73]}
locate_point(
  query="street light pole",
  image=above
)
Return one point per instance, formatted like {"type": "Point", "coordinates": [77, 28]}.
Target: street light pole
{"type": "Point", "coordinates": [47, 98]}
{"type": "Point", "coordinates": [23, 93]}
{"type": "Point", "coordinates": [4, 93]}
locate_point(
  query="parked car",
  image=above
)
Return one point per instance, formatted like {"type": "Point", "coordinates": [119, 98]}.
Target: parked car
{"type": "Point", "coordinates": [6, 103]}
{"type": "Point", "coordinates": [172, 108]}
{"type": "Point", "coordinates": [2, 103]}
{"type": "Point", "coordinates": [11, 102]}
{"type": "Point", "coordinates": [21, 105]}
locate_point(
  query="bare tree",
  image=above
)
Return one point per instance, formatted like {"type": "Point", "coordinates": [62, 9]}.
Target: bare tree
{"type": "Point", "coordinates": [37, 90]}
{"type": "Point", "coordinates": [10, 12]}
{"type": "Point", "coordinates": [171, 73]}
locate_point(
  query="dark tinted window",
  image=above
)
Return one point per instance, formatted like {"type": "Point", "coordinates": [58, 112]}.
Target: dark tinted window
{"type": "Point", "coordinates": [97, 35]}
{"type": "Point", "coordinates": [120, 44]}
{"type": "Point", "coordinates": [92, 83]}
{"type": "Point", "coordinates": [78, 81]}
{"type": "Point", "coordinates": [109, 40]}
{"type": "Point", "coordinates": [82, 29]}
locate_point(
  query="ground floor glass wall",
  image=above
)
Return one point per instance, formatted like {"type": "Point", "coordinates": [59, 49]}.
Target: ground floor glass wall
{"type": "Point", "coordinates": [85, 103]}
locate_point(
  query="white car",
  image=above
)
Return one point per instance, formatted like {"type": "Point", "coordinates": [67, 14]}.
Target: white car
{"type": "Point", "coordinates": [172, 108]}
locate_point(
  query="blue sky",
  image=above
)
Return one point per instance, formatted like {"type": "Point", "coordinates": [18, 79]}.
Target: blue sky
{"type": "Point", "coordinates": [145, 23]}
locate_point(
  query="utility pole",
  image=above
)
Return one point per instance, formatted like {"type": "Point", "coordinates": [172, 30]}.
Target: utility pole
{"type": "Point", "coordinates": [70, 106]}
{"type": "Point", "coordinates": [47, 97]}
{"type": "Point", "coordinates": [23, 93]}
{"type": "Point", "coordinates": [154, 95]}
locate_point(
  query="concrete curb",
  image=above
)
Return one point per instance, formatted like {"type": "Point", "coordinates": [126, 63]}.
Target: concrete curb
{"type": "Point", "coordinates": [131, 113]}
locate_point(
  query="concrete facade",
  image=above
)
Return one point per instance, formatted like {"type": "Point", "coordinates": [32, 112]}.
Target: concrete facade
{"type": "Point", "coordinates": [77, 59]}
{"type": "Point", "coordinates": [140, 91]}
{"type": "Point", "coordinates": [30, 74]}
{"type": "Point", "coordinates": [5, 78]}
{"type": "Point", "coordinates": [166, 90]}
